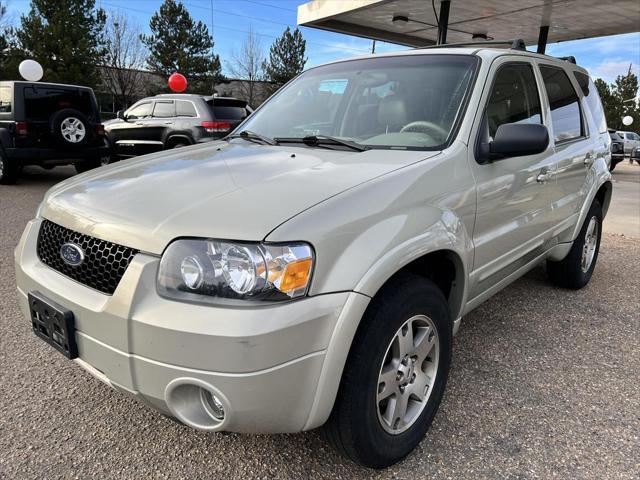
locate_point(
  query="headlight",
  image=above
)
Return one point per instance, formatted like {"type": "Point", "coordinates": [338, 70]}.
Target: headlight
{"type": "Point", "coordinates": [217, 271]}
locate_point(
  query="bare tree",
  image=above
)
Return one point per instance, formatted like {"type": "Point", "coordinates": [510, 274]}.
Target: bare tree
{"type": "Point", "coordinates": [125, 58]}
{"type": "Point", "coordinates": [247, 66]}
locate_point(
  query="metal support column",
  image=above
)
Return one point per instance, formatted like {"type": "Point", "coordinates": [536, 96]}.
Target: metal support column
{"type": "Point", "coordinates": [443, 21]}
{"type": "Point", "coordinates": [542, 38]}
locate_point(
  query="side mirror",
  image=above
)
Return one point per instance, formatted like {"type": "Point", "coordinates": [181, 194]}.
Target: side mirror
{"type": "Point", "coordinates": [517, 140]}
{"type": "Point", "coordinates": [120, 115]}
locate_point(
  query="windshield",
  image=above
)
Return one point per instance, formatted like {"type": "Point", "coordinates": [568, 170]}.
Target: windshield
{"type": "Point", "coordinates": [385, 102]}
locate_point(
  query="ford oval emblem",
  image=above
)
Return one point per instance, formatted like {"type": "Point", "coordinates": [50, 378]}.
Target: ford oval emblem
{"type": "Point", "coordinates": [71, 254]}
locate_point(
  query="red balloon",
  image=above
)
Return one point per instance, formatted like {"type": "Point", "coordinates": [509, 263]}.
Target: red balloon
{"type": "Point", "coordinates": [177, 82]}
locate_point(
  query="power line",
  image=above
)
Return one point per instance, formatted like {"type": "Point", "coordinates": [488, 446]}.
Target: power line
{"type": "Point", "coordinates": [221, 27]}
{"type": "Point", "coordinates": [272, 6]}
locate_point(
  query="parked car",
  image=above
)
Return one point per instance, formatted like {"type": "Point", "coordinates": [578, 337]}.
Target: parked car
{"type": "Point", "coordinates": [312, 267]}
{"type": "Point", "coordinates": [635, 155]}
{"type": "Point", "coordinates": [617, 149]}
{"type": "Point", "coordinates": [49, 124]}
{"type": "Point", "coordinates": [631, 140]}
{"type": "Point", "coordinates": [173, 120]}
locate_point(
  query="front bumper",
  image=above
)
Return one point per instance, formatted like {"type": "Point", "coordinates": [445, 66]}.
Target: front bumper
{"type": "Point", "coordinates": [265, 363]}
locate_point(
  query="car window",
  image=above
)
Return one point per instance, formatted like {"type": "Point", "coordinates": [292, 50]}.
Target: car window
{"type": "Point", "coordinates": [41, 101]}
{"type": "Point", "coordinates": [636, 136]}
{"type": "Point", "coordinates": [140, 111]}
{"type": "Point", "coordinates": [564, 104]}
{"type": "Point", "coordinates": [408, 101]}
{"type": "Point", "coordinates": [514, 97]}
{"type": "Point", "coordinates": [185, 109]}
{"type": "Point", "coordinates": [593, 100]}
{"type": "Point", "coordinates": [6, 94]}
{"type": "Point", "coordinates": [229, 108]}
{"type": "Point", "coordinates": [164, 109]}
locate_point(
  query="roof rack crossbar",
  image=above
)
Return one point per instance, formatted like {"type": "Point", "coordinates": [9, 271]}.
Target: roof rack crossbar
{"type": "Point", "coordinates": [514, 44]}
{"type": "Point", "coordinates": [570, 59]}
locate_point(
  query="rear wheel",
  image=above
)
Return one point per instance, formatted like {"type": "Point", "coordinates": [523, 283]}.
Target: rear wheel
{"type": "Point", "coordinates": [9, 170]}
{"type": "Point", "coordinates": [395, 374]}
{"type": "Point", "coordinates": [179, 144]}
{"type": "Point", "coordinates": [576, 269]}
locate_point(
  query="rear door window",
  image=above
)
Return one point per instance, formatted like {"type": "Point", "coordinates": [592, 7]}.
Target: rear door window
{"type": "Point", "coordinates": [228, 109]}
{"type": "Point", "coordinates": [514, 98]}
{"type": "Point", "coordinates": [565, 106]}
{"type": "Point", "coordinates": [593, 100]}
{"type": "Point", "coordinates": [6, 98]}
{"type": "Point", "coordinates": [41, 102]}
{"type": "Point", "coordinates": [185, 109]}
{"type": "Point", "coordinates": [164, 109]}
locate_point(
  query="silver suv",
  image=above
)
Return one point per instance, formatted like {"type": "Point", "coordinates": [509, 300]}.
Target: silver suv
{"type": "Point", "coordinates": [312, 268]}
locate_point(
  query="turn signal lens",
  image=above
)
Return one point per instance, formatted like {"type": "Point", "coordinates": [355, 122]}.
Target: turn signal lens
{"type": "Point", "coordinates": [296, 276]}
{"type": "Point", "coordinates": [21, 128]}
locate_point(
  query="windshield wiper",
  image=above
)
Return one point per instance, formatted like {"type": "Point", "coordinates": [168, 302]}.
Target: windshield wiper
{"type": "Point", "coordinates": [254, 137]}
{"type": "Point", "coordinates": [322, 140]}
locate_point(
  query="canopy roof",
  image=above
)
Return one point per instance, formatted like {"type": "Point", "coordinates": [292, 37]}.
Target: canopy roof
{"type": "Point", "coordinates": [416, 23]}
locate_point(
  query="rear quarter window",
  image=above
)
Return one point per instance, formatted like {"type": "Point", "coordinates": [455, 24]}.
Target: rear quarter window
{"type": "Point", "coordinates": [185, 109]}
{"type": "Point", "coordinates": [564, 103]}
{"type": "Point", "coordinates": [42, 102]}
{"type": "Point", "coordinates": [592, 98]}
{"type": "Point", "coordinates": [6, 98]}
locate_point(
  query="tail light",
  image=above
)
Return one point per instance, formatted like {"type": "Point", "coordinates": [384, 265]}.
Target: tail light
{"type": "Point", "coordinates": [21, 128]}
{"type": "Point", "coordinates": [99, 129]}
{"type": "Point", "coordinates": [216, 127]}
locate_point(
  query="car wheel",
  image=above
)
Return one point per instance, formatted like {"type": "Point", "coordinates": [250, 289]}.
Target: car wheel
{"type": "Point", "coordinates": [395, 374]}
{"type": "Point", "coordinates": [576, 269]}
{"type": "Point", "coordinates": [70, 128]}
{"type": "Point", "coordinates": [180, 145]}
{"type": "Point", "coordinates": [9, 171]}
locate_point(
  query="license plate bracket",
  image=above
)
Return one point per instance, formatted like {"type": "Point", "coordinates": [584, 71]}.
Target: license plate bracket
{"type": "Point", "coordinates": [53, 323]}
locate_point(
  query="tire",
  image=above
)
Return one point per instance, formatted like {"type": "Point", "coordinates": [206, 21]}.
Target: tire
{"type": "Point", "coordinates": [9, 171]}
{"type": "Point", "coordinates": [70, 128]}
{"type": "Point", "coordinates": [92, 163]}
{"type": "Point", "coordinates": [180, 144]}
{"type": "Point", "coordinates": [357, 427]}
{"type": "Point", "coordinates": [576, 269]}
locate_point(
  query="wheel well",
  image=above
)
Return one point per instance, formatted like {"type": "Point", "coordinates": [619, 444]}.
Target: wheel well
{"type": "Point", "coordinates": [445, 269]}
{"type": "Point", "coordinates": [604, 196]}
{"type": "Point", "coordinates": [171, 141]}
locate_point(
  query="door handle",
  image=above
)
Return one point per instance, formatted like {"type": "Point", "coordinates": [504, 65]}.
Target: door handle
{"type": "Point", "coordinates": [139, 123]}
{"type": "Point", "coordinates": [589, 158]}
{"type": "Point", "coordinates": [168, 123]}
{"type": "Point", "coordinates": [544, 176]}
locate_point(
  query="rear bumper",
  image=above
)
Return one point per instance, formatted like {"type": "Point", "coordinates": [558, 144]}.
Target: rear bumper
{"type": "Point", "coordinates": [263, 363]}
{"type": "Point", "coordinates": [39, 156]}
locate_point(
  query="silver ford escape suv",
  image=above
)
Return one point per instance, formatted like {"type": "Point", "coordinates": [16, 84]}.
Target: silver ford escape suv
{"type": "Point", "coordinates": [312, 268]}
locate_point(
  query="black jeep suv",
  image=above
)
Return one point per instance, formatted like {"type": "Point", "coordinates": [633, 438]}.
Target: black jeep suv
{"type": "Point", "coordinates": [49, 124]}
{"type": "Point", "coordinates": [171, 121]}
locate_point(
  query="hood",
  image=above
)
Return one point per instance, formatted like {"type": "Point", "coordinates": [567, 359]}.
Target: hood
{"type": "Point", "coordinates": [236, 190]}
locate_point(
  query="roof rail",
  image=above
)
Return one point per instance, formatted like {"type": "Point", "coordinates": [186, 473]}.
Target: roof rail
{"type": "Point", "coordinates": [570, 59]}
{"type": "Point", "coordinates": [514, 44]}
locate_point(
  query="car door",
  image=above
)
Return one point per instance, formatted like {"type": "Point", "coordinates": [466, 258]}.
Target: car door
{"type": "Point", "coordinates": [576, 145]}
{"type": "Point", "coordinates": [128, 136]}
{"type": "Point", "coordinates": [513, 218]}
{"type": "Point", "coordinates": [160, 123]}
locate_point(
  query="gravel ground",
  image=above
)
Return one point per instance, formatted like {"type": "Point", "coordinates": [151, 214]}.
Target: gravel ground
{"type": "Point", "coordinates": [545, 384]}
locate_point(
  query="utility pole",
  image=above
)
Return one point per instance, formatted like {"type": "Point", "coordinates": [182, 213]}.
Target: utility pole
{"type": "Point", "coordinates": [373, 47]}
{"type": "Point", "coordinates": [213, 55]}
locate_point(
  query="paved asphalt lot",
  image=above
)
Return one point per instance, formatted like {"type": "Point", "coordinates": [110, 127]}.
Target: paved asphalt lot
{"type": "Point", "coordinates": [545, 384]}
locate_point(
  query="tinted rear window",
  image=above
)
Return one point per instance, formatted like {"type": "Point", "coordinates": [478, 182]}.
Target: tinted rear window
{"type": "Point", "coordinates": [564, 103]}
{"type": "Point", "coordinates": [42, 102]}
{"type": "Point", "coordinates": [6, 97]}
{"type": "Point", "coordinates": [229, 109]}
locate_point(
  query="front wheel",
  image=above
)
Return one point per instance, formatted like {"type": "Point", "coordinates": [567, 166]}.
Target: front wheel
{"type": "Point", "coordinates": [576, 269]}
{"type": "Point", "coordinates": [395, 374]}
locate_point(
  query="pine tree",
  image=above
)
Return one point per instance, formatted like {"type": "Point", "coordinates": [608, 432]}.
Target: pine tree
{"type": "Point", "coordinates": [65, 37]}
{"type": "Point", "coordinates": [180, 44]}
{"type": "Point", "coordinates": [4, 44]}
{"type": "Point", "coordinates": [619, 100]}
{"type": "Point", "coordinates": [286, 57]}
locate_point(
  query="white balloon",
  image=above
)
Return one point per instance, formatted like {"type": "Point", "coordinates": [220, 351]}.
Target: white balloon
{"type": "Point", "coordinates": [30, 70]}
{"type": "Point", "coordinates": [628, 120]}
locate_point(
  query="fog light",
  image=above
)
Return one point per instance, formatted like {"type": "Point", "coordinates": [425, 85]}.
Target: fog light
{"type": "Point", "coordinates": [212, 404]}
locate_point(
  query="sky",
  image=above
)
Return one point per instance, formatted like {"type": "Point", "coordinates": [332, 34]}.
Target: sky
{"type": "Point", "coordinates": [604, 57]}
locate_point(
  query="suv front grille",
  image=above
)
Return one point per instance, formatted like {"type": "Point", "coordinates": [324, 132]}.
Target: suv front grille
{"type": "Point", "coordinates": [104, 262]}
